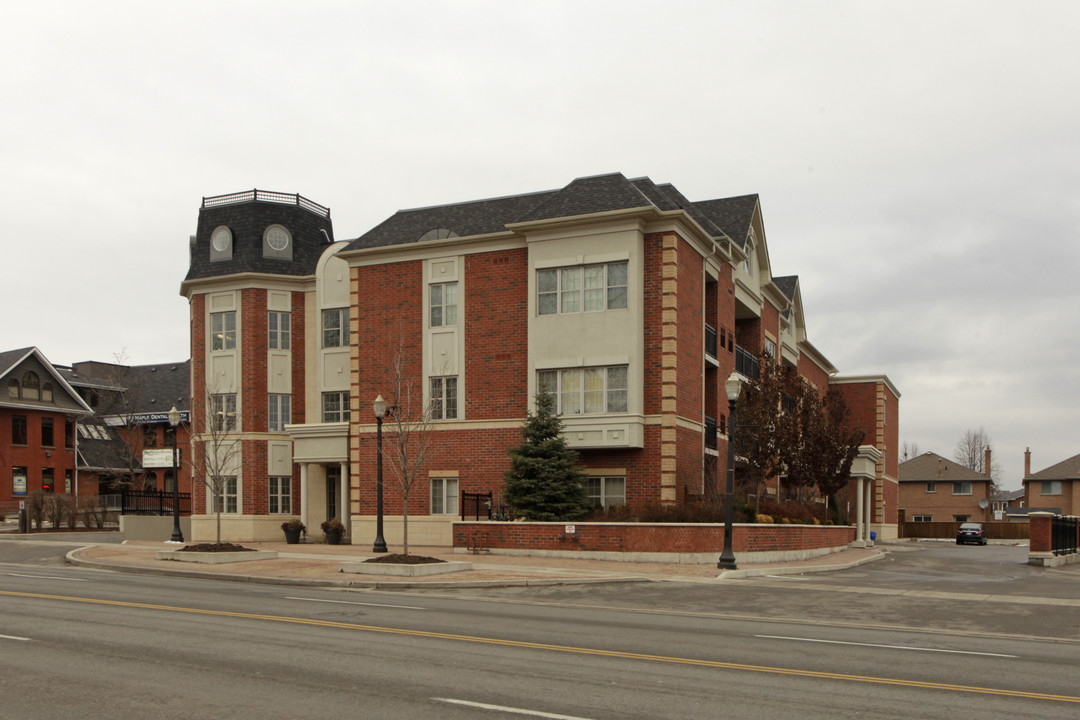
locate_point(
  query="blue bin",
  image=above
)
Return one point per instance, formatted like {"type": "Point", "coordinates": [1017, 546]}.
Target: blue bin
{"type": "Point", "coordinates": [873, 536]}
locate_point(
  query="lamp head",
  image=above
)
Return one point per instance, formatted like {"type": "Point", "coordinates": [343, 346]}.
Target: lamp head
{"type": "Point", "coordinates": [733, 386]}
{"type": "Point", "coordinates": [379, 406]}
{"type": "Point", "coordinates": [174, 416]}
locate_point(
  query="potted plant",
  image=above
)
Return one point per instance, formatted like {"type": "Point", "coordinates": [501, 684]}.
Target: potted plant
{"type": "Point", "coordinates": [333, 529]}
{"type": "Point", "coordinates": [292, 529]}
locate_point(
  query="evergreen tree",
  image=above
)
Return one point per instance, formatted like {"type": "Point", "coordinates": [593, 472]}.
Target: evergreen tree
{"type": "Point", "coordinates": [544, 482]}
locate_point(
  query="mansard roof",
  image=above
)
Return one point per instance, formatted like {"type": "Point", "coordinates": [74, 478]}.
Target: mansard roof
{"type": "Point", "coordinates": [1068, 469]}
{"type": "Point", "coordinates": [583, 196]}
{"type": "Point", "coordinates": [933, 467]}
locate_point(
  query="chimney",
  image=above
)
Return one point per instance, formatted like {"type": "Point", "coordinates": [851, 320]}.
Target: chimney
{"type": "Point", "coordinates": [986, 462]}
{"type": "Point", "coordinates": [1027, 461]}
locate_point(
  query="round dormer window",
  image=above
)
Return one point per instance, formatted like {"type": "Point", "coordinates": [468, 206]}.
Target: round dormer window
{"type": "Point", "coordinates": [277, 237]}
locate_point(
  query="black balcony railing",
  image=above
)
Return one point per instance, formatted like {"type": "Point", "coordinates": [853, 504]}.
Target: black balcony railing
{"type": "Point", "coordinates": [1063, 534]}
{"type": "Point", "coordinates": [152, 502]}
{"type": "Point", "coordinates": [746, 364]}
{"type": "Point", "coordinates": [267, 196]}
{"type": "Point", "coordinates": [710, 341]}
{"type": "Point", "coordinates": [710, 433]}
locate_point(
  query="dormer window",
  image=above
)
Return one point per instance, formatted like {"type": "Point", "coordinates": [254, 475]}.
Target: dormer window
{"type": "Point", "coordinates": [221, 244]}
{"type": "Point", "coordinates": [277, 243]}
{"type": "Point", "coordinates": [31, 386]}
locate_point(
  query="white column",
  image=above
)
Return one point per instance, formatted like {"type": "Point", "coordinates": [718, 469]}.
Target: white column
{"type": "Point", "coordinates": [344, 510]}
{"type": "Point", "coordinates": [304, 494]}
{"type": "Point", "coordinates": [859, 512]}
{"type": "Point", "coordinates": [869, 508]}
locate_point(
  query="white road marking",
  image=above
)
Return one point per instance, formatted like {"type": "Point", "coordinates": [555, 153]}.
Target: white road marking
{"type": "Point", "coordinates": [14, 637]}
{"type": "Point", "coordinates": [47, 577]}
{"type": "Point", "coordinates": [348, 602]}
{"type": "Point", "coordinates": [503, 708]}
{"type": "Point", "coordinates": [889, 647]}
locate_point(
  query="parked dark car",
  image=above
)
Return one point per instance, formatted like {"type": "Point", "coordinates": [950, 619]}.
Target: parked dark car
{"type": "Point", "coordinates": [971, 533]}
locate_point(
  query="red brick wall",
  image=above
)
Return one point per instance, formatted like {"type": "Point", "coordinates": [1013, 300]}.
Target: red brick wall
{"type": "Point", "coordinates": [253, 361]}
{"type": "Point", "coordinates": [298, 328]}
{"type": "Point", "coordinates": [691, 335]}
{"type": "Point", "coordinates": [641, 537]}
{"type": "Point", "coordinates": [33, 456]}
{"type": "Point", "coordinates": [652, 293]}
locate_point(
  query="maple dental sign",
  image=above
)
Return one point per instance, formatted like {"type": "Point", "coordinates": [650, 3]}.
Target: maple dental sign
{"type": "Point", "coordinates": [160, 458]}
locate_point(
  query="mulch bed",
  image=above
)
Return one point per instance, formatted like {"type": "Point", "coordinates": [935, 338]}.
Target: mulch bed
{"type": "Point", "coordinates": [404, 559]}
{"type": "Point", "coordinates": [215, 547]}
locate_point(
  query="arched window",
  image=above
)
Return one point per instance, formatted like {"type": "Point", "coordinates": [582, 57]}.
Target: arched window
{"type": "Point", "coordinates": [170, 481]}
{"type": "Point", "coordinates": [150, 481]}
{"type": "Point", "coordinates": [13, 389]}
{"type": "Point", "coordinates": [31, 386]}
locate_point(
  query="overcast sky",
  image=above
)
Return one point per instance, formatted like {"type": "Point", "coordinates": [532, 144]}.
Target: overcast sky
{"type": "Point", "coordinates": [918, 162]}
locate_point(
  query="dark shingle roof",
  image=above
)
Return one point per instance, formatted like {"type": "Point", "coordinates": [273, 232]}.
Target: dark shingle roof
{"type": "Point", "coordinates": [584, 196]}
{"type": "Point", "coordinates": [1068, 469]}
{"type": "Point", "coordinates": [9, 358]}
{"type": "Point", "coordinates": [787, 285]}
{"type": "Point", "coordinates": [733, 215]}
{"type": "Point", "coordinates": [137, 388]}
{"type": "Point", "coordinates": [931, 466]}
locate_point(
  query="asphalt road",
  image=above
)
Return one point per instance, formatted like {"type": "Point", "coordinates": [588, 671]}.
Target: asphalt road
{"type": "Point", "coordinates": [83, 643]}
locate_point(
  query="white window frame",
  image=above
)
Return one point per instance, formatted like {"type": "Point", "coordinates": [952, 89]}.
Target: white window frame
{"type": "Point", "coordinates": [444, 397]}
{"type": "Point", "coordinates": [574, 291]}
{"type": "Point", "coordinates": [922, 518]}
{"type": "Point", "coordinates": [279, 495]}
{"type": "Point", "coordinates": [574, 396]}
{"type": "Point", "coordinates": [228, 500]}
{"type": "Point", "coordinates": [223, 412]}
{"type": "Point", "coordinates": [223, 331]}
{"type": "Point", "coordinates": [962, 487]}
{"type": "Point", "coordinates": [442, 304]}
{"type": "Point", "coordinates": [278, 412]}
{"type": "Point", "coordinates": [445, 496]}
{"type": "Point", "coordinates": [335, 327]}
{"type": "Point", "coordinates": [341, 414]}
{"type": "Point", "coordinates": [605, 494]}
{"type": "Point", "coordinates": [279, 330]}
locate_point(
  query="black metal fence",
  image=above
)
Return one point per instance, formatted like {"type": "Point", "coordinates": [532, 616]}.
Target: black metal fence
{"type": "Point", "coordinates": [1063, 534]}
{"type": "Point", "coordinates": [479, 503]}
{"type": "Point", "coordinates": [746, 364]}
{"type": "Point", "coordinates": [152, 502]}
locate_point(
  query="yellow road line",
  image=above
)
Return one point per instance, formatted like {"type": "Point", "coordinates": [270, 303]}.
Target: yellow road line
{"type": "Point", "coordinates": [566, 648]}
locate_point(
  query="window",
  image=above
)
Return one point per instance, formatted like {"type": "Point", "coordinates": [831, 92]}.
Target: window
{"type": "Point", "coordinates": [69, 433]}
{"type": "Point", "coordinates": [48, 480]}
{"type": "Point", "coordinates": [280, 495]}
{"type": "Point", "coordinates": [170, 481]}
{"type": "Point", "coordinates": [748, 263]}
{"type": "Point", "coordinates": [961, 488]}
{"type": "Point", "coordinates": [226, 501]}
{"type": "Point", "coordinates": [443, 304]}
{"type": "Point", "coordinates": [67, 481]}
{"type": "Point", "coordinates": [770, 347]}
{"type": "Point", "coordinates": [923, 518]}
{"type": "Point", "coordinates": [150, 481]}
{"type": "Point", "coordinates": [149, 436]}
{"type": "Point", "coordinates": [605, 491]}
{"type": "Point", "coordinates": [13, 389]}
{"type": "Point", "coordinates": [170, 435]}
{"type": "Point", "coordinates": [18, 430]}
{"type": "Point", "coordinates": [588, 288]}
{"type": "Point", "coordinates": [335, 407]}
{"type": "Point", "coordinates": [961, 518]}
{"type": "Point", "coordinates": [223, 331]}
{"type": "Point", "coordinates": [47, 436]}
{"type": "Point", "coordinates": [335, 328]}
{"type": "Point", "coordinates": [444, 496]}
{"type": "Point", "coordinates": [223, 412]}
{"type": "Point", "coordinates": [18, 480]}
{"type": "Point", "coordinates": [46, 393]}
{"type": "Point", "coordinates": [31, 387]}
{"type": "Point", "coordinates": [585, 390]}
{"type": "Point", "coordinates": [1050, 487]}
{"type": "Point", "coordinates": [931, 487]}
{"type": "Point", "coordinates": [279, 412]}
{"type": "Point", "coordinates": [444, 398]}
{"type": "Point", "coordinates": [279, 325]}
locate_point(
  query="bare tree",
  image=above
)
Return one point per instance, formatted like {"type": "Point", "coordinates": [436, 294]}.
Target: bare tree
{"type": "Point", "coordinates": [407, 444]}
{"type": "Point", "coordinates": [908, 451]}
{"type": "Point", "coordinates": [215, 452]}
{"type": "Point", "coordinates": [971, 453]}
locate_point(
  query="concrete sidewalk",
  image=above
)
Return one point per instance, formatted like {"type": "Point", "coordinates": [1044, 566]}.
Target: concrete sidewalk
{"type": "Point", "coordinates": [315, 564]}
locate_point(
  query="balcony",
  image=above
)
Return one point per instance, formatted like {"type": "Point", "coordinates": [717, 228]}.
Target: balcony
{"type": "Point", "coordinates": [746, 364]}
{"type": "Point", "coordinates": [710, 341]}
{"type": "Point", "coordinates": [710, 433]}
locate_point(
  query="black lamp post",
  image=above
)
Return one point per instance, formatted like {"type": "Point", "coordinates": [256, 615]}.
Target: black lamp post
{"type": "Point", "coordinates": [177, 534]}
{"type": "Point", "coordinates": [379, 406]}
{"type": "Point", "coordinates": [733, 386]}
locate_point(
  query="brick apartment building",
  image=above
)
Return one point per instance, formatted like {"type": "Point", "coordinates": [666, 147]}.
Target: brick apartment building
{"type": "Point", "coordinates": [629, 302]}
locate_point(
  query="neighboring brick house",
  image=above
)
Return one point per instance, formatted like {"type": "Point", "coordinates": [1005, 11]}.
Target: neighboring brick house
{"type": "Point", "coordinates": [39, 413]}
{"type": "Point", "coordinates": [628, 301]}
{"type": "Point", "coordinates": [1054, 489]}
{"type": "Point", "coordinates": [131, 404]}
{"type": "Point", "coordinates": [935, 488]}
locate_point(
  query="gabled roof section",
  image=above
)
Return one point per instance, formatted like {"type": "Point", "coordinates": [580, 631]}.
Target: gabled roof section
{"type": "Point", "coordinates": [584, 196]}
{"type": "Point", "coordinates": [733, 215]}
{"type": "Point", "coordinates": [1068, 469]}
{"type": "Point", "coordinates": [933, 467]}
{"type": "Point", "coordinates": [787, 285]}
{"type": "Point", "coordinates": [11, 360]}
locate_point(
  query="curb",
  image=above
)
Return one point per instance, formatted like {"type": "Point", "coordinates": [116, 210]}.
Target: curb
{"type": "Point", "coordinates": [72, 559]}
{"type": "Point", "coordinates": [795, 570]}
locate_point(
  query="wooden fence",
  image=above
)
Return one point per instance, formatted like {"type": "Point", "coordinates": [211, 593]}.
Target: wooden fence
{"type": "Point", "coordinates": [948, 530]}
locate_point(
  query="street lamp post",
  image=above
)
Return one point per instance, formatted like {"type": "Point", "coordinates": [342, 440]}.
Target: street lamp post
{"type": "Point", "coordinates": [177, 534]}
{"type": "Point", "coordinates": [379, 406]}
{"type": "Point", "coordinates": [733, 386]}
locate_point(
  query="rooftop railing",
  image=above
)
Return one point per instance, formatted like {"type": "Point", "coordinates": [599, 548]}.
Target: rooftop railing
{"type": "Point", "coordinates": [267, 196]}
